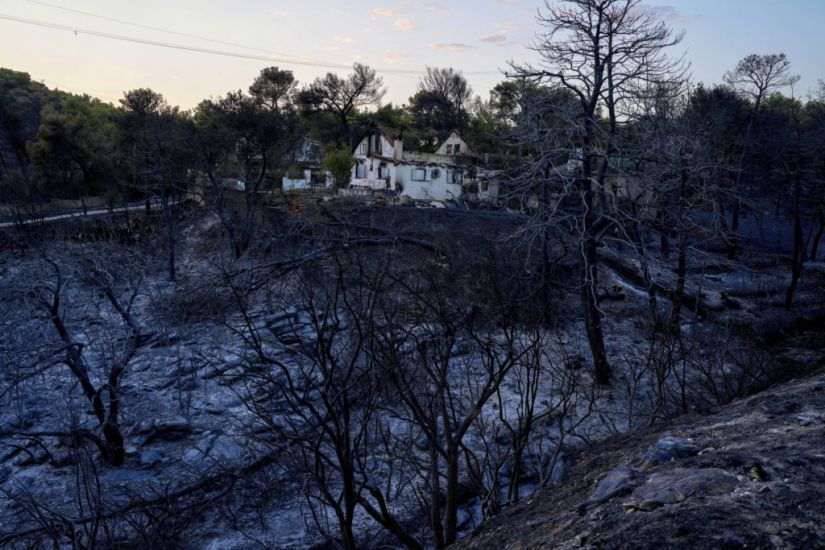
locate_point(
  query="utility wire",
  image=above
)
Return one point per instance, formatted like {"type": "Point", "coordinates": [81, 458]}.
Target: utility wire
{"type": "Point", "coordinates": [225, 53]}
{"type": "Point", "coordinates": [169, 31]}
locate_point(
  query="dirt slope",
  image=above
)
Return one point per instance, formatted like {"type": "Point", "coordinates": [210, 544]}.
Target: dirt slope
{"type": "Point", "coordinates": [751, 475]}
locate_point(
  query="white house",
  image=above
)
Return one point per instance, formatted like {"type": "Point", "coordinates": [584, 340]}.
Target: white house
{"type": "Point", "coordinates": [382, 163]}
{"type": "Point", "coordinates": [307, 168]}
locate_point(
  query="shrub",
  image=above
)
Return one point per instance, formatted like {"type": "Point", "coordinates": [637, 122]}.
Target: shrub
{"type": "Point", "coordinates": [339, 162]}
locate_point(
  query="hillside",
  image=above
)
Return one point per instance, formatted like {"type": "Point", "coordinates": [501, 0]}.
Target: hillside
{"type": "Point", "coordinates": [752, 475]}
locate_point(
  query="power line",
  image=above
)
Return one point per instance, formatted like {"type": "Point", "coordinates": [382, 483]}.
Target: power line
{"type": "Point", "coordinates": [169, 31]}
{"type": "Point", "coordinates": [197, 49]}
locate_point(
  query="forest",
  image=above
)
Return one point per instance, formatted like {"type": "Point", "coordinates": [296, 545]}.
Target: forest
{"type": "Point", "coordinates": [203, 364]}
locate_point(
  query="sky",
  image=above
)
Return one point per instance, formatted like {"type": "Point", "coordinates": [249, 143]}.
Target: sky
{"type": "Point", "coordinates": [399, 38]}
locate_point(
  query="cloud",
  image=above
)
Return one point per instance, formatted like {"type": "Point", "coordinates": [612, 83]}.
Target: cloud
{"type": "Point", "coordinates": [437, 9]}
{"type": "Point", "coordinates": [404, 25]}
{"type": "Point", "coordinates": [343, 39]}
{"type": "Point", "coordinates": [381, 12]}
{"type": "Point", "coordinates": [453, 46]}
{"type": "Point", "coordinates": [333, 49]}
{"type": "Point", "coordinates": [495, 38]}
{"type": "Point", "coordinates": [669, 13]}
{"type": "Point", "coordinates": [393, 59]}
{"type": "Point", "coordinates": [281, 13]}
{"type": "Point", "coordinates": [515, 27]}
{"type": "Point", "coordinates": [514, 5]}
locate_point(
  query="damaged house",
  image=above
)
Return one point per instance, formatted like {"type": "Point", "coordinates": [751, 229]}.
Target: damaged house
{"type": "Point", "coordinates": [306, 170]}
{"type": "Point", "coordinates": [381, 162]}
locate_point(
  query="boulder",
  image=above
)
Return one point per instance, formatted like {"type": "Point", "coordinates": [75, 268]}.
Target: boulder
{"type": "Point", "coordinates": [225, 449]}
{"type": "Point", "coordinates": [669, 448]}
{"type": "Point", "coordinates": [617, 481]}
{"type": "Point", "coordinates": [144, 427]}
{"type": "Point", "coordinates": [670, 487]}
{"type": "Point", "coordinates": [176, 424]}
{"type": "Point", "coordinates": [150, 457]}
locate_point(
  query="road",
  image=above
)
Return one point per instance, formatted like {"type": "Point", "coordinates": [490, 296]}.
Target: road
{"type": "Point", "coordinates": [79, 213]}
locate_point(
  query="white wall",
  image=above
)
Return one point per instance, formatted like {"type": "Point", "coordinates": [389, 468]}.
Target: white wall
{"type": "Point", "coordinates": [288, 184]}
{"type": "Point", "coordinates": [452, 141]}
{"type": "Point", "coordinates": [372, 176]}
{"type": "Point", "coordinates": [434, 188]}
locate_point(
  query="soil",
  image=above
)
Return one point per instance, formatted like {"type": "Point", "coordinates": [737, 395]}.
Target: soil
{"type": "Point", "coordinates": [770, 448]}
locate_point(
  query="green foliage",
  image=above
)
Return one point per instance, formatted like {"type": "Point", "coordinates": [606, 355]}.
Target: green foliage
{"type": "Point", "coordinates": [274, 88]}
{"type": "Point", "coordinates": [339, 162]}
{"type": "Point", "coordinates": [75, 152]}
{"type": "Point", "coordinates": [294, 172]}
{"type": "Point", "coordinates": [20, 102]}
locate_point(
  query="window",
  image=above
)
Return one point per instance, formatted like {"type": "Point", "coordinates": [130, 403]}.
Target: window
{"type": "Point", "coordinates": [435, 173]}
{"type": "Point", "coordinates": [376, 145]}
{"type": "Point", "coordinates": [362, 149]}
{"type": "Point", "coordinates": [454, 176]}
{"type": "Point", "coordinates": [456, 148]}
{"type": "Point", "coordinates": [360, 170]}
{"type": "Point", "coordinates": [449, 149]}
{"type": "Point", "coordinates": [419, 174]}
{"type": "Point", "coordinates": [382, 171]}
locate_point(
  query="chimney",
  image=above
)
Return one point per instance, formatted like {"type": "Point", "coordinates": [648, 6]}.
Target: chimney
{"type": "Point", "coordinates": [399, 147]}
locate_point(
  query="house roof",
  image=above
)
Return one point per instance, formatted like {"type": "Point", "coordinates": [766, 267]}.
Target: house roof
{"type": "Point", "coordinates": [372, 130]}
{"type": "Point", "coordinates": [430, 158]}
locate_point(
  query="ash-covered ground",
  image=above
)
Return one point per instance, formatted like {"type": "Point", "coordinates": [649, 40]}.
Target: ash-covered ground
{"type": "Point", "coordinates": [355, 348]}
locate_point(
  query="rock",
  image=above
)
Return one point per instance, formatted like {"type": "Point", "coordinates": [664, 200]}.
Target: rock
{"type": "Point", "coordinates": [38, 456]}
{"type": "Point", "coordinates": [192, 456]}
{"type": "Point", "coordinates": [617, 481]}
{"type": "Point", "coordinates": [226, 449]}
{"type": "Point", "coordinates": [144, 427]}
{"type": "Point", "coordinates": [670, 487]}
{"type": "Point", "coordinates": [150, 457]}
{"type": "Point", "coordinates": [669, 448]}
{"type": "Point", "coordinates": [63, 459]}
{"type": "Point", "coordinates": [229, 401]}
{"type": "Point", "coordinates": [176, 424]}
{"type": "Point", "coordinates": [131, 451]}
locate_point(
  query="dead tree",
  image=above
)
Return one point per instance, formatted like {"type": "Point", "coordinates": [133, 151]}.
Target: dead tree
{"type": "Point", "coordinates": [444, 393]}
{"type": "Point", "coordinates": [103, 397]}
{"type": "Point", "coordinates": [598, 51]}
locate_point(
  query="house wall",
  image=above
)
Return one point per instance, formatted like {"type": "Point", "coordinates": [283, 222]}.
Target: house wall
{"type": "Point", "coordinates": [289, 184]}
{"type": "Point", "coordinates": [434, 188]}
{"type": "Point", "coordinates": [448, 146]}
{"type": "Point", "coordinates": [372, 176]}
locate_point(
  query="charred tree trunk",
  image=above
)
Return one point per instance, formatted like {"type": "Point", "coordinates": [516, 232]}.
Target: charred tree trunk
{"type": "Point", "coordinates": [798, 257]}
{"type": "Point", "coordinates": [818, 235]}
{"type": "Point", "coordinates": [679, 291]}
{"type": "Point", "coordinates": [592, 313]}
{"type": "Point", "coordinates": [169, 214]}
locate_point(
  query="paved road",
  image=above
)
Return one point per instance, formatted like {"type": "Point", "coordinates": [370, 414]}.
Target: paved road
{"type": "Point", "coordinates": [90, 213]}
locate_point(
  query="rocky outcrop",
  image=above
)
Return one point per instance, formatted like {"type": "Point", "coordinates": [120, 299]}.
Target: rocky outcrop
{"type": "Point", "coordinates": [752, 475]}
